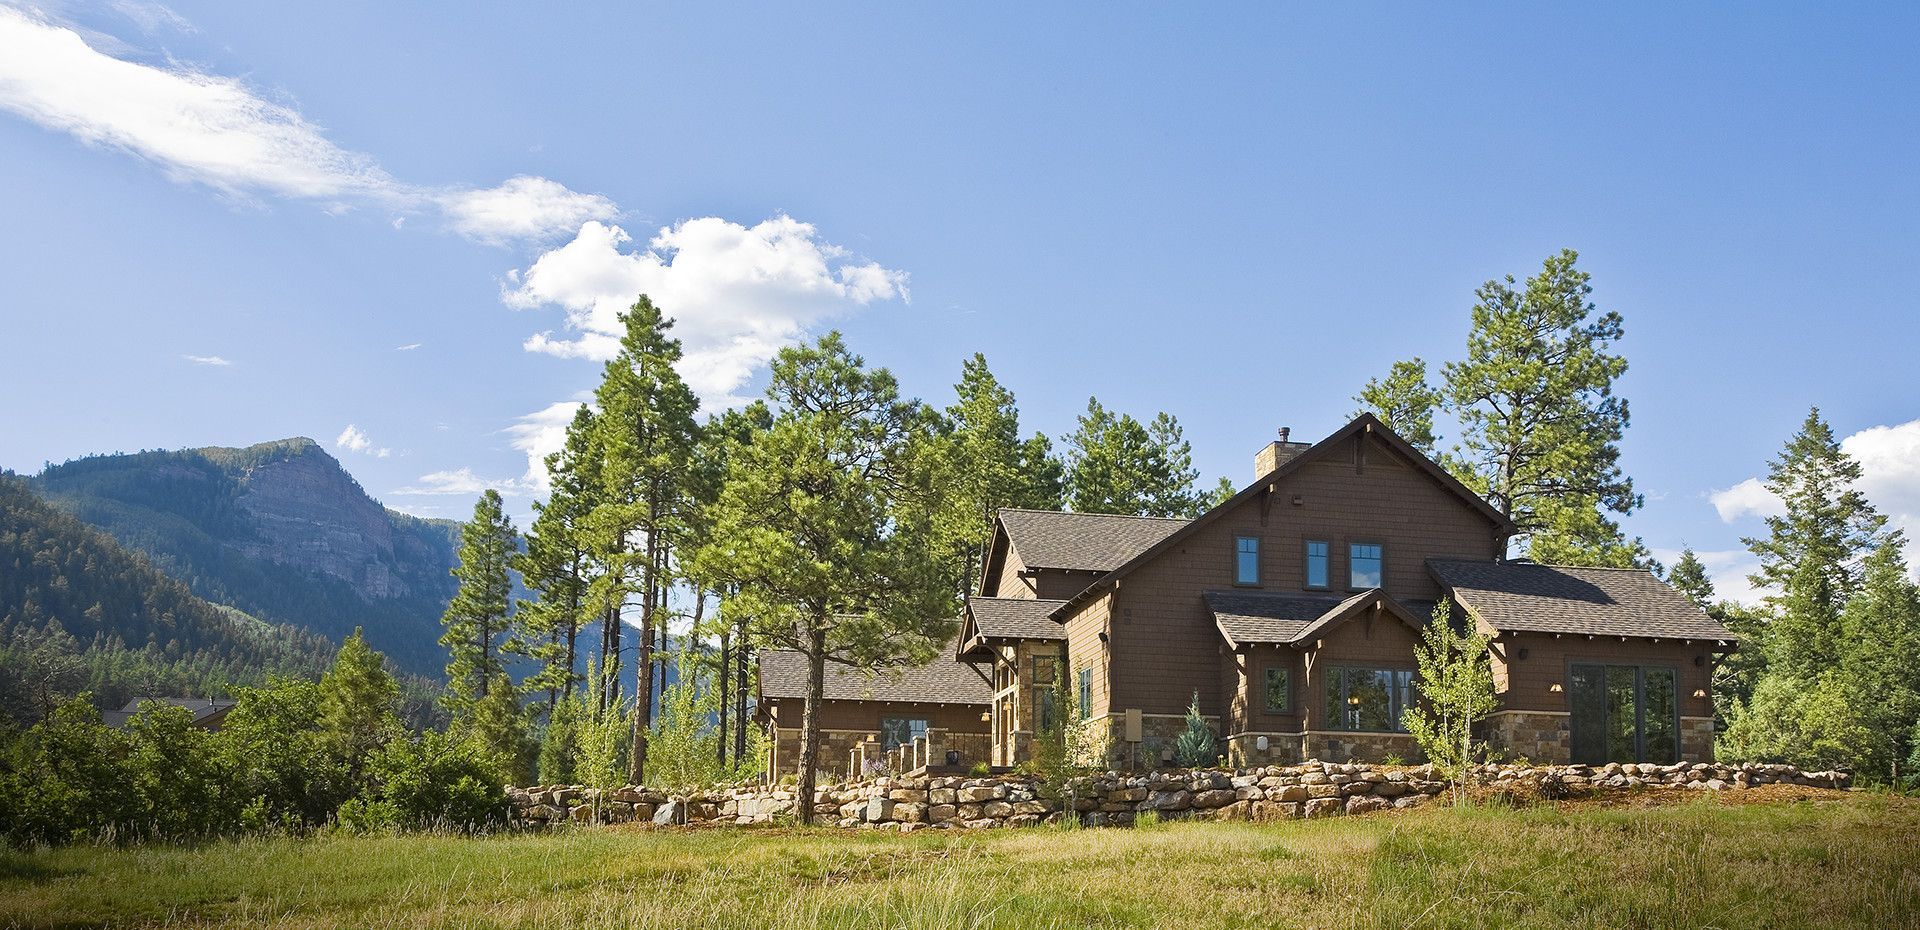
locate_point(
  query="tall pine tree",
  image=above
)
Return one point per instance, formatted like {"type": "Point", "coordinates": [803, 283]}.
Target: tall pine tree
{"type": "Point", "coordinates": [987, 466]}
{"type": "Point", "coordinates": [1404, 402]}
{"type": "Point", "coordinates": [823, 525]}
{"type": "Point", "coordinates": [1812, 554]}
{"type": "Point", "coordinates": [1116, 464]}
{"type": "Point", "coordinates": [1540, 423]}
{"type": "Point", "coordinates": [647, 435]}
{"type": "Point", "coordinates": [557, 565]}
{"type": "Point", "coordinates": [479, 612]}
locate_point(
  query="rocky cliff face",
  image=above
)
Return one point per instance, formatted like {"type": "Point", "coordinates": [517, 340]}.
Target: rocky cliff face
{"type": "Point", "coordinates": [306, 512]}
{"type": "Point", "coordinates": [279, 530]}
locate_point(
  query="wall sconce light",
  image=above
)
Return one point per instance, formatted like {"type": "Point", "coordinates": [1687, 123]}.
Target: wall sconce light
{"type": "Point", "coordinates": [1555, 688]}
{"type": "Point", "coordinates": [1298, 500]}
{"type": "Point", "coordinates": [1699, 692]}
{"type": "Point", "coordinates": [1699, 661]}
{"type": "Point", "coordinates": [986, 716]}
{"type": "Point", "coordinates": [1522, 653]}
{"type": "Point", "coordinates": [1354, 700]}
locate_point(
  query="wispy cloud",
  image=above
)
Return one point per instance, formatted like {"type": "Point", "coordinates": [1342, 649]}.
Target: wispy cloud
{"type": "Point", "coordinates": [353, 439]}
{"type": "Point", "coordinates": [213, 360]}
{"type": "Point", "coordinates": [409, 347]}
{"type": "Point", "coordinates": [214, 130]}
{"type": "Point", "coordinates": [454, 481]}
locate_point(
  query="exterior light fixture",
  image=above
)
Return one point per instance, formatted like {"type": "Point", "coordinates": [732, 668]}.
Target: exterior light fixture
{"type": "Point", "coordinates": [1354, 700]}
{"type": "Point", "coordinates": [1522, 652]}
{"type": "Point", "coordinates": [1699, 692]}
{"type": "Point", "coordinates": [1555, 688]}
{"type": "Point", "coordinates": [1260, 743]}
{"type": "Point", "coordinates": [986, 716]}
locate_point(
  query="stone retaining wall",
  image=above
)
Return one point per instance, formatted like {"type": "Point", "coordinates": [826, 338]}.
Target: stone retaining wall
{"type": "Point", "coordinates": [1311, 789]}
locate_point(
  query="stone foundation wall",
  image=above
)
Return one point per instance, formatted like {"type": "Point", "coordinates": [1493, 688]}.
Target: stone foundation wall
{"type": "Point", "coordinates": [1540, 737]}
{"type": "Point", "coordinates": [1696, 739]}
{"type": "Point", "coordinates": [1358, 746]}
{"type": "Point", "coordinates": [1310, 789]}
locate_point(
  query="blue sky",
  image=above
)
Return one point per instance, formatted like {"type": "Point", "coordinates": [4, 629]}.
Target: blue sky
{"type": "Point", "coordinates": [1237, 217]}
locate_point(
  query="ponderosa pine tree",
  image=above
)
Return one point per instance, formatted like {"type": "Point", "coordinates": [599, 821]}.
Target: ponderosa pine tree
{"type": "Point", "coordinates": [823, 525]}
{"type": "Point", "coordinates": [1540, 423]}
{"type": "Point", "coordinates": [1811, 557]}
{"type": "Point", "coordinates": [480, 611]}
{"type": "Point", "coordinates": [1735, 672]}
{"type": "Point", "coordinates": [647, 436]}
{"type": "Point", "coordinates": [1116, 464]}
{"type": "Point", "coordinates": [557, 565]}
{"type": "Point", "coordinates": [987, 466]}
{"type": "Point", "coordinates": [497, 729]}
{"type": "Point", "coordinates": [1404, 402]}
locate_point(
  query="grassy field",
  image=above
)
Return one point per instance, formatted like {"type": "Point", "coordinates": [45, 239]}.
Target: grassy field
{"type": "Point", "coordinates": [1847, 862]}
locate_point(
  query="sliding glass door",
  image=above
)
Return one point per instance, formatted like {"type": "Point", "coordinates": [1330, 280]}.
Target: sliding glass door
{"type": "Point", "coordinates": [1624, 713]}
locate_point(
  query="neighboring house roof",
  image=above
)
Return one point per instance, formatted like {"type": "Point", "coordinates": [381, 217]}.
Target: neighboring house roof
{"type": "Point", "coordinates": [1015, 618]}
{"type": "Point", "coordinates": [204, 710]}
{"type": "Point", "coordinates": [1256, 617]}
{"type": "Point", "coordinates": [1365, 424]}
{"type": "Point", "coordinates": [1534, 598]}
{"type": "Point", "coordinates": [783, 674]}
{"type": "Point", "coordinates": [1088, 542]}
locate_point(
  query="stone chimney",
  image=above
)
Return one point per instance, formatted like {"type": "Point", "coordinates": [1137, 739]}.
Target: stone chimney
{"type": "Point", "coordinates": [1276, 454]}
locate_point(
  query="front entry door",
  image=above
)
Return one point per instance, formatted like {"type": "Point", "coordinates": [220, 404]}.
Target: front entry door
{"type": "Point", "coordinates": [1624, 713]}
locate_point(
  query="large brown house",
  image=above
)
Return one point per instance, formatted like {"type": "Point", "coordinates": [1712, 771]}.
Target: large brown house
{"type": "Point", "coordinates": [1290, 612]}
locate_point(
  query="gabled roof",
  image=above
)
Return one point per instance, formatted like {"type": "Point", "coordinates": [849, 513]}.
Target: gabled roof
{"type": "Point", "coordinates": [1533, 598]}
{"type": "Point", "coordinates": [1088, 542]}
{"type": "Point", "coordinates": [1365, 424]}
{"type": "Point", "coordinates": [1015, 618]}
{"type": "Point", "coordinates": [1264, 617]}
{"type": "Point", "coordinates": [783, 674]}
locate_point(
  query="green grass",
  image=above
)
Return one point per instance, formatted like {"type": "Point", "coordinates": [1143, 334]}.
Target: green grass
{"type": "Point", "coordinates": [1850, 862]}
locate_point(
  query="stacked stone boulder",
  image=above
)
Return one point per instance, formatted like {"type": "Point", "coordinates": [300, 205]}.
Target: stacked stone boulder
{"type": "Point", "coordinates": [1311, 789]}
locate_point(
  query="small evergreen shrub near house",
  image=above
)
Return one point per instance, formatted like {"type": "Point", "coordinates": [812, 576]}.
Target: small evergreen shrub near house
{"type": "Point", "coordinates": [1196, 747]}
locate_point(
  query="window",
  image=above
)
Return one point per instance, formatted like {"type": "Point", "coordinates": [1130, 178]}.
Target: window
{"type": "Point", "coordinates": [1369, 699]}
{"type": "Point", "coordinates": [1043, 709]}
{"type": "Point", "coordinates": [1086, 693]}
{"type": "Point", "coordinates": [1316, 563]}
{"type": "Point", "coordinates": [1279, 691]}
{"type": "Point", "coordinates": [1246, 560]}
{"type": "Point", "coordinates": [896, 731]}
{"type": "Point", "coordinates": [1363, 565]}
{"type": "Point", "coordinates": [1043, 669]}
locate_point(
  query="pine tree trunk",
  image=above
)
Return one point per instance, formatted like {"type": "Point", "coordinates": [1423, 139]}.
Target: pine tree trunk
{"type": "Point", "coordinates": [643, 699]}
{"type": "Point", "coordinates": [810, 717]}
{"type": "Point", "coordinates": [740, 693]}
{"type": "Point", "coordinates": [725, 667]}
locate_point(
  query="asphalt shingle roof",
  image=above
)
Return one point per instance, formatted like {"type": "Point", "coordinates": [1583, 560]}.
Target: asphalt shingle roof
{"type": "Point", "coordinates": [1016, 618]}
{"type": "Point", "coordinates": [1535, 598]}
{"type": "Point", "coordinates": [1095, 542]}
{"type": "Point", "coordinates": [783, 674]}
{"type": "Point", "coordinates": [1266, 616]}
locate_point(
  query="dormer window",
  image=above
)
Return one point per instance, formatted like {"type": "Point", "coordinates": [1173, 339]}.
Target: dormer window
{"type": "Point", "coordinates": [1246, 560]}
{"type": "Point", "coordinates": [1363, 566]}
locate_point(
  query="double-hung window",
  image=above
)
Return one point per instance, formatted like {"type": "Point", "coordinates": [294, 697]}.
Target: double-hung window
{"type": "Point", "coordinates": [1363, 566]}
{"type": "Point", "coordinates": [1246, 560]}
{"type": "Point", "coordinates": [1317, 568]}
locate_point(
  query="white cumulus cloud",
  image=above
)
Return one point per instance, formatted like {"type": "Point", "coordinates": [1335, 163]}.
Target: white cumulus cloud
{"type": "Point", "coordinates": [1748, 498]}
{"type": "Point", "coordinates": [737, 294]}
{"type": "Point", "coordinates": [537, 435]}
{"type": "Point", "coordinates": [353, 439]}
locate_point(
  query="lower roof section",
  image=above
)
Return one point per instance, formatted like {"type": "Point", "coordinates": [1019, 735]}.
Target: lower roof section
{"type": "Point", "coordinates": [944, 680]}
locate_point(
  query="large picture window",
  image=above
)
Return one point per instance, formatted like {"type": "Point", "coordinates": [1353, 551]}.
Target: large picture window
{"type": "Point", "coordinates": [1246, 560]}
{"type": "Point", "coordinates": [897, 731]}
{"type": "Point", "coordinates": [1363, 566]}
{"type": "Point", "coordinates": [1368, 699]}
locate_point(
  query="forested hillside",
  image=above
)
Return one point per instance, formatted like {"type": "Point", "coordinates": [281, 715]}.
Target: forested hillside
{"type": "Point", "coordinates": [278, 530]}
{"type": "Point", "coordinates": [80, 613]}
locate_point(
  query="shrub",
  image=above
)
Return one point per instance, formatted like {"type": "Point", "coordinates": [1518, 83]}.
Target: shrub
{"type": "Point", "coordinates": [64, 779]}
{"type": "Point", "coordinates": [1195, 748]}
{"type": "Point", "coordinates": [433, 780]}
